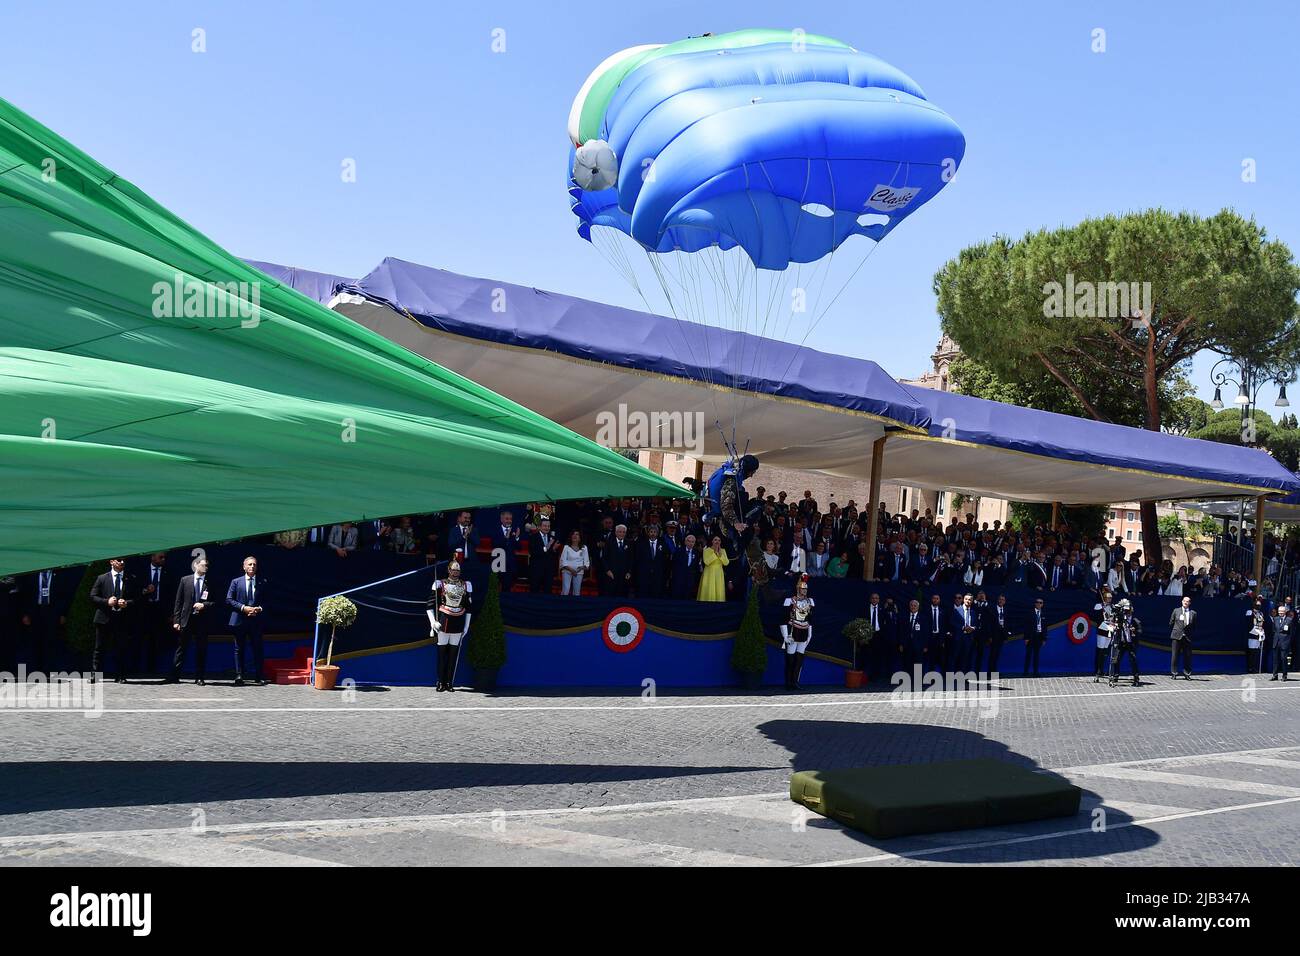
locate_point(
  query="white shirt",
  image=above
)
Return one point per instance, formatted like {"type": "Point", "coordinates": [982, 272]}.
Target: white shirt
{"type": "Point", "coordinates": [569, 558]}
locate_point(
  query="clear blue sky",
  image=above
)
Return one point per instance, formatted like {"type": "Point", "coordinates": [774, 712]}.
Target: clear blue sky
{"type": "Point", "coordinates": [460, 151]}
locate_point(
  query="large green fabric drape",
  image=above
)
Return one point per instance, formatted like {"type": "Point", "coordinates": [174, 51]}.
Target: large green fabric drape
{"type": "Point", "coordinates": [134, 418]}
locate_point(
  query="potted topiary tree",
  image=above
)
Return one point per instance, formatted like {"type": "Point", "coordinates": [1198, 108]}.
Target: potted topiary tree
{"type": "Point", "coordinates": [487, 642]}
{"type": "Point", "coordinates": [749, 653]}
{"type": "Point", "coordinates": [336, 611]}
{"type": "Point", "coordinates": [859, 633]}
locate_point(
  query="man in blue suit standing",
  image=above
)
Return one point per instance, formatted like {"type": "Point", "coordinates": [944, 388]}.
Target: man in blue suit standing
{"type": "Point", "coordinates": [505, 538]}
{"type": "Point", "coordinates": [686, 570]}
{"type": "Point", "coordinates": [244, 598]}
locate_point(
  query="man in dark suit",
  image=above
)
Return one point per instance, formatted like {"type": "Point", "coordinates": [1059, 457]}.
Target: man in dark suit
{"type": "Point", "coordinates": [995, 574]}
{"type": "Point", "coordinates": [192, 615]}
{"type": "Point", "coordinates": [43, 612]}
{"type": "Point", "coordinates": [651, 573]}
{"type": "Point", "coordinates": [10, 614]}
{"type": "Point", "coordinates": [686, 568]}
{"type": "Point", "coordinates": [1057, 574]}
{"type": "Point", "coordinates": [1035, 573]}
{"type": "Point", "coordinates": [1284, 627]}
{"type": "Point", "coordinates": [1035, 634]}
{"type": "Point", "coordinates": [505, 538]}
{"type": "Point", "coordinates": [1182, 625]}
{"type": "Point", "coordinates": [616, 565]}
{"type": "Point", "coordinates": [244, 598]}
{"type": "Point", "coordinates": [962, 626]}
{"type": "Point", "coordinates": [153, 626]}
{"type": "Point", "coordinates": [463, 538]}
{"type": "Point", "coordinates": [884, 623]}
{"type": "Point", "coordinates": [894, 566]}
{"type": "Point", "coordinates": [543, 549]}
{"type": "Point", "coordinates": [936, 634]}
{"type": "Point", "coordinates": [112, 594]}
{"type": "Point", "coordinates": [998, 629]}
{"type": "Point", "coordinates": [912, 629]}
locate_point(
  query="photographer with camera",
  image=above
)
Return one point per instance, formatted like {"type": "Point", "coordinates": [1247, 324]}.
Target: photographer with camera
{"type": "Point", "coordinates": [1124, 638]}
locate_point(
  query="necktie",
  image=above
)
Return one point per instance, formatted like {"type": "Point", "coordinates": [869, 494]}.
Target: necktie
{"type": "Point", "coordinates": [198, 589]}
{"type": "Point", "coordinates": [249, 588]}
{"type": "Point", "coordinates": [156, 582]}
{"type": "Point", "coordinates": [44, 597]}
{"type": "Point", "coordinates": [117, 585]}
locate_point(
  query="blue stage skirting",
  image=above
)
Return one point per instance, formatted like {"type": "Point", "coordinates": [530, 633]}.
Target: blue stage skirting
{"type": "Point", "coordinates": [556, 641]}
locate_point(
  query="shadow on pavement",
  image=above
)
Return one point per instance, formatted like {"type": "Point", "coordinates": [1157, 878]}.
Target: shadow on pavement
{"type": "Point", "coordinates": [830, 744]}
{"type": "Point", "coordinates": [73, 785]}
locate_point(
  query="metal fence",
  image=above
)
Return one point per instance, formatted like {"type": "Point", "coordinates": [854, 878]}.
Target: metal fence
{"type": "Point", "coordinates": [1231, 556]}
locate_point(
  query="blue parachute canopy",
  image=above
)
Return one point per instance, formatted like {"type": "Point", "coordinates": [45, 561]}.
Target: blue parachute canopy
{"type": "Point", "coordinates": [781, 143]}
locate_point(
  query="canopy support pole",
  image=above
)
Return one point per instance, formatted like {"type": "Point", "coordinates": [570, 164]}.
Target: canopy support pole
{"type": "Point", "coordinates": [873, 522]}
{"type": "Point", "coordinates": [1056, 515]}
{"type": "Point", "coordinates": [1259, 543]}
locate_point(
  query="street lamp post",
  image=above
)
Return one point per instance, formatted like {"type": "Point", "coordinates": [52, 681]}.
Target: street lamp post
{"type": "Point", "coordinates": [1249, 379]}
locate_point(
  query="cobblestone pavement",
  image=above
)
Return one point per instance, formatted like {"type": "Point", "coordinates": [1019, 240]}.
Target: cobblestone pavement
{"type": "Point", "coordinates": [1189, 773]}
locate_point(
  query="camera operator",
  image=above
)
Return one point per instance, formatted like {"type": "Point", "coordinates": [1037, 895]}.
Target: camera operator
{"type": "Point", "coordinates": [1124, 638]}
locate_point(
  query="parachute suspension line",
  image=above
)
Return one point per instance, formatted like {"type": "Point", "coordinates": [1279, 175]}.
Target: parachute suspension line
{"type": "Point", "coordinates": [612, 248]}
{"type": "Point", "coordinates": [803, 198]}
{"type": "Point", "coordinates": [658, 268]}
{"type": "Point", "coordinates": [738, 363]}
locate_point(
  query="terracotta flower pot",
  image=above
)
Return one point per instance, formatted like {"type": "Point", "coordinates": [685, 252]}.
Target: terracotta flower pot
{"type": "Point", "coordinates": [855, 679]}
{"type": "Point", "coordinates": [326, 676]}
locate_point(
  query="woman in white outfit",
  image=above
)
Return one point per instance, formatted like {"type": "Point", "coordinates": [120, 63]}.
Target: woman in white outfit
{"type": "Point", "coordinates": [573, 565]}
{"type": "Point", "coordinates": [448, 609]}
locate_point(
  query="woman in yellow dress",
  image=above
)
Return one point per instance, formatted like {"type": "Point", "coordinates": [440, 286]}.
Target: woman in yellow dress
{"type": "Point", "coordinates": [713, 581]}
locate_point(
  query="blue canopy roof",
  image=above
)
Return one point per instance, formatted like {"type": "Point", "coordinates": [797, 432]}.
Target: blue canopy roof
{"type": "Point", "coordinates": [937, 439]}
{"type": "Point", "coordinates": [1015, 429]}
{"type": "Point", "coordinates": [513, 315]}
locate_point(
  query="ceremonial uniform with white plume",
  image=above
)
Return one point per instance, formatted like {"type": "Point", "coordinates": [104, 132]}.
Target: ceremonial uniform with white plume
{"type": "Point", "coordinates": [797, 632]}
